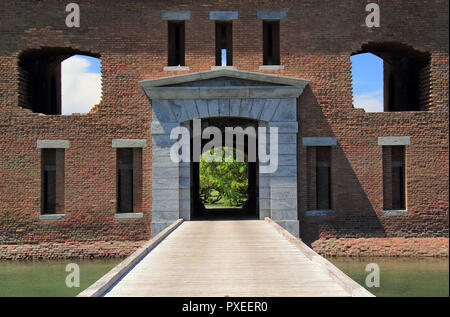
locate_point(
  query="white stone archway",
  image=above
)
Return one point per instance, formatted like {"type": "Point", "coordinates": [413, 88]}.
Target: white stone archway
{"type": "Point", "coordinates": [269, 99]}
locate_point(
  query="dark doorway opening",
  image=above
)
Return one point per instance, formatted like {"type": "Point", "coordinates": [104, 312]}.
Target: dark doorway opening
{"type": "Point", "coordinates": [250, 208]}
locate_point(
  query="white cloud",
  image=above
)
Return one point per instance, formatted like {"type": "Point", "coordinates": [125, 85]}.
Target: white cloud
{"type": "Point", "coordinates": [81, 89]}
{"type": "Point", "coordinates": [370, 101]}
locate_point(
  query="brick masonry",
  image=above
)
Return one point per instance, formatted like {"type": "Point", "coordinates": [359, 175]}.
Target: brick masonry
{"type": "Point", "coordinates": [46, 250]}
{"type": "Point", "coordinates": [382, 247]}
{"type": "Point", "coordinates": [316, 44]}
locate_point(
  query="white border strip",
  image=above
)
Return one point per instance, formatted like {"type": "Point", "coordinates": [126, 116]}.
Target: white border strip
{"type": "Point", "coordinates": [104, 283]}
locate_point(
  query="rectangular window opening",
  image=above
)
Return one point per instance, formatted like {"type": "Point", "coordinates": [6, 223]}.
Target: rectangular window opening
{"type": "Point", "coordinates": [323, 178]}
{"type": "Point", "coordinates": [319, 191]}
{"type": "Point", "coordinates": [394, 178]}
{"type": "Point", "coordinates": [224, 44]}
{"type": "Point", "coordinates": [271, 42]}
{"type": "Point", "coordinates": [52, 181]}
{"type": "Point", "coordinates": [398, 177]}
{"type": "Point", "coordinates": [176, 43]}
{"type": "Point", "coordinates": [129, 179]}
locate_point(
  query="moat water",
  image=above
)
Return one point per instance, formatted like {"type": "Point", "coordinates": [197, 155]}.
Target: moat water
{"type": "Point", "coordinates": [398, 276]}
{"type": "Point", "coordinates": [48, 277]}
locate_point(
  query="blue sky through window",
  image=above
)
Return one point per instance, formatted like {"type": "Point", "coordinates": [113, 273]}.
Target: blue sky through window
{"type": "Point", "coordinates": [224, 56]}
{"type": "Point", "coordinates": [367, 74]}
{"type": "Point", "coordinates": [80, 84]}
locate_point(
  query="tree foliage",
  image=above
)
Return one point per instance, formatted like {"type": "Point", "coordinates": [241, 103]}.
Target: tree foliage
{"type": "Point", "coordinates": [223, 180]}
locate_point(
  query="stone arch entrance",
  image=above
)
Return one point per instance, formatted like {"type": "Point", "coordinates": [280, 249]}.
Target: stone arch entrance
{"type": "Point", "coordinates": [269, 100]}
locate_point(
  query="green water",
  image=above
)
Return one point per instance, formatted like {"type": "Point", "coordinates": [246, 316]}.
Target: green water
{"type": "Point", "coordinates": [403, 276]}
{"type": "Point", "coordinates": [47, 278]}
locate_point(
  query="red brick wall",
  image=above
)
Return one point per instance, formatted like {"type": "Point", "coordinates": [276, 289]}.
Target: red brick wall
{"type": "Point", "coordinates": [316, 41]}
{"type": "Point", "coordinates": [382, 247]}
{"type": "Point", "coordinates": [50, 250]}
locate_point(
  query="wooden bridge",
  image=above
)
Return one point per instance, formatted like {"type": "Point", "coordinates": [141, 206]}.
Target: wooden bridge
{"type": "Point", "coordinates": [254, 258]}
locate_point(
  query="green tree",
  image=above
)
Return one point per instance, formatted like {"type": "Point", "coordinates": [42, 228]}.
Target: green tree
{"type": "Point", "coordinates": [223, 180]}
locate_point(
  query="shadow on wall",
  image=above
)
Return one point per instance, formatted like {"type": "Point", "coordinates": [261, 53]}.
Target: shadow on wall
{"type": "Point", "coordinates": [354, 215]}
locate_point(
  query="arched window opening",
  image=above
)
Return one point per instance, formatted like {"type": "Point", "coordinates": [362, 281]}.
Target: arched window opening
{"type": "Point", "coordinates": [56, 81]}
{"type": "Point", "coordinates": [400, 76]}
{"type": "Point", "coordinates": [367, 73]}
{"type": "Point", "coordinates": [81, 84]}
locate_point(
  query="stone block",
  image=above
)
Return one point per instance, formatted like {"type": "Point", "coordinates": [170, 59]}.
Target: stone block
{"type": "Point", "coordinates": [223, 15]}
{"type": "Point", "coordinates": [191, 109]}
{"type": "Point", "coordinates": [224, 107]}
{"type": "Point", "coordinates": [162, 194]}
{"type": "Point", "coordinates": [129, 215]}
{"type": "Point", "coordinates": [202, 107]}
{"type": "Point", "coordinates": [165, 216]}
{"type": "Point", "coordinates": [319, 213]}
{"type": "Point", "coordinates": [279, 204]}
{"type": "Point", "coordinates": [395, 212]}
{"type": "Point", "coordinates": [169, 204]}
{"type": "Point", "coordinates": [165, 183]}
{"type": "Point", "coordinates": [167, 172]}
{"type": "Point", "coordinates": [176, 15]}
{"type": "Point", "coordinates": [270, 107]}
{"type": "Point", "coordinates": [319, 141]}
{"type": "Point", "coordinates": [129, 143]}
{"type": "Point", "coordinates": [161, 111]}
{"type": "Point", "coordinates": [394, 140]}
{"type": "Point", "coordinates": [257, 108]}
{"type": "Point", "coordinates": [246, 105]}
{"type": "Point", "coordinates": [286, 110]}
{"type": "Point", "coordinates": [52, 144]}
{"type": "Point", "coordinates": [235, 105]}
{"type": "Point", "coordinates": [52, 217]}
{"type": "Point", "coordinates": [283, 181]}
{"type": "Point", "coordinates": [284, 214]}
{"type": "Point", "coordinates": [271, 14]}
{"type": "Point", "coordinates": [213, 107]}
{"type": "Point", "coordinates": [177, 107]}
